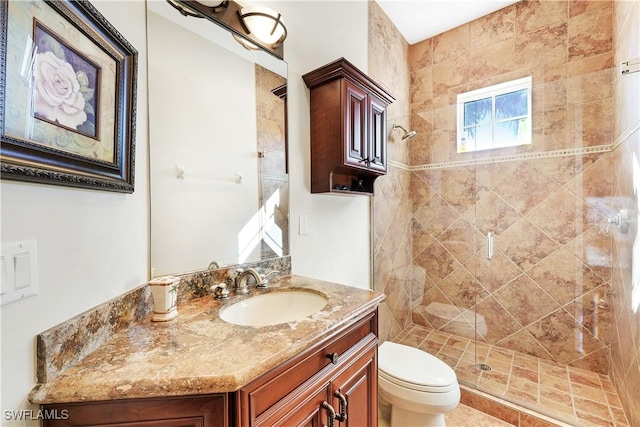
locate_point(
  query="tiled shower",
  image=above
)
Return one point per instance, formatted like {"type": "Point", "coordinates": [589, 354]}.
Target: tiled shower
{"type": "Point", "coordinates": [559, 287]}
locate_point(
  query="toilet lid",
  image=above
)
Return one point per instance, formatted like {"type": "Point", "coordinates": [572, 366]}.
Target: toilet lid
{"type": "Point", "coordinates": [414, 367]}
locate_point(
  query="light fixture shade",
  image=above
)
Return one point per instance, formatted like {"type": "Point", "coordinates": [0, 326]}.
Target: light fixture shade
{"type": "Point", "coordinates": [245, 43]}
{"type": "Point", "coordinates": [264, 24]}
{"type": "Point", "coordinates": [211, 3]}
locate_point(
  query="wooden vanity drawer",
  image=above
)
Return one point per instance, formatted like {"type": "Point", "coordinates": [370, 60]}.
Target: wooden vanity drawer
{"type": "Point", "coordinates": [186, 411]}
{"type": "Point", "coordinates": [315, 363]}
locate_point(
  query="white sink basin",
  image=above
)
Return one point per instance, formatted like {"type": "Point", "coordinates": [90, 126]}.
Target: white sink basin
{"type": "Point", "coordinates": [274, 308]}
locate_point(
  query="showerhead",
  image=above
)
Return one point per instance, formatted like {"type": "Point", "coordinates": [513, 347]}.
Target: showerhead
{"type": "Point", "coordinates": [408, 134]}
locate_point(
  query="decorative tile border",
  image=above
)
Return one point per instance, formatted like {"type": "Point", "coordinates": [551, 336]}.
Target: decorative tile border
{"type": "Point", "coordinates": [64, 345]}
{"type": "Point", "coordinates": [525, 156]}
{"type": "Point", "coordinates": [625, 135]}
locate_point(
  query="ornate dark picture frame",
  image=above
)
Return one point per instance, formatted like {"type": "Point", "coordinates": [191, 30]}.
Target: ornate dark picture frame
{"type": "Point", "coordinates": [68, 98]}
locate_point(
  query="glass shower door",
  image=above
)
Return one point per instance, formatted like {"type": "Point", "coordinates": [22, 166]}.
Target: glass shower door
{"type": "Point", "coordinates": [540, 311]}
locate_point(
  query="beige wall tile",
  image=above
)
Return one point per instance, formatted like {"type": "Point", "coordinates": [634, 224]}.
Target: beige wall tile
{"type": "Point", "coordinates": [421, 54]}
{"type": "Point", "coordinates": [437, 262]}
{"type": "Point", "coordinates": [449, 74]}
{"type": "Point", "coordinates": [546, 46]}
{"type": "Point", "coordinates": [495, 274]}
{"type": "Point", "coordinates": [525, 300]}
{"type": "Point", "coordinates": [422, 85]}
{"type": "Point", "coordinates": [564, 277]}
{"type": "Point", "coordinates": [493, 28]}
{"type": "Point", "coordinates": [577, 7]}
{"type": "Point", "coordinates": [555, 94]}
{"type": "Point", "coordinates": [459, 239]}
{"type": "Point", "coordinates": [492, 60]}
{"type": "Point", "coordinates": [535, 14]}
{"type": "Point", "coordinates": [503, 329]}
{"type": "Point", "coordinates": [590, 64]}
{"type": "Point", "coordinates": [556, 333]}
{"type": "Point", "coordinates": [591, 33]}
{"type": "Point", "coordinates": [451, 44]}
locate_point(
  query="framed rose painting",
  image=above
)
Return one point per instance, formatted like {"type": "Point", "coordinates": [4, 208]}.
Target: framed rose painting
{"type": "Point", "coordinates": [67, 96]}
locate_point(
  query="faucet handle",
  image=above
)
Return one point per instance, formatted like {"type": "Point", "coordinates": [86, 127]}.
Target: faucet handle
{"type": "Point", "coordinates": [232, 276]}
{"type": "Point", "coordinates": [264, 283]}
{"type": "Point", "coordinates": [220, 291]}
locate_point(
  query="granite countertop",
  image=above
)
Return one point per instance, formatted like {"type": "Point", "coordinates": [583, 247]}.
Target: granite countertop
{"type": "Point", "coordinates": [197, 352]}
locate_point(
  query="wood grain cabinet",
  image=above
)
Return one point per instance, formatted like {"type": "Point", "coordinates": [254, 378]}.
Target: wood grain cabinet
{"type": "Point", "coordinates": [332, 383]}
{"type": "Point", "coordinates": [348, 129]}
{"type": "Point", "coordinates": [188, 411]}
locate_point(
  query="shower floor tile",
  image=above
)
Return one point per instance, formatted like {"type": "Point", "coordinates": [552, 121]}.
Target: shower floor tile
{"type": "Point", "coordinates": [570, 395]}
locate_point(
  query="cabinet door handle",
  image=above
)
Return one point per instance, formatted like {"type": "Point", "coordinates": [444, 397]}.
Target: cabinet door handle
{"type": "Point", "coordinates": [342, 416]}
{"type": "Point", "coordinates": [331, 413]}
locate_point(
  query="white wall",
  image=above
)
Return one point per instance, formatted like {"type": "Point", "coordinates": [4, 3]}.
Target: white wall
{"type": "Point", "coordinates": [91, 245]}
{"type": "Point", "coordinates": [337, 247]}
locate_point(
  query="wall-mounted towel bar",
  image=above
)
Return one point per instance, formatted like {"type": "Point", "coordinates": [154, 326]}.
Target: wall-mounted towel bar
{"type": "Point", "coordinates": [630, 66]}
{"type": "Point", "coordinates": [183, 173]}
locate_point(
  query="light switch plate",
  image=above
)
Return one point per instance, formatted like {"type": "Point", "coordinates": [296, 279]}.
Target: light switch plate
{"type": "Point", "coordinates": [4, 280]}
{"type": "Point", "coordinates": [19, 271]}
{"type": "Point", "coordinates": [303, 225]}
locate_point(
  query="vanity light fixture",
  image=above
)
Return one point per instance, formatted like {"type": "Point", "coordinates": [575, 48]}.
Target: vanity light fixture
{"type": "Point", "coordinates": [254, 27]}
{"type": "Point", "coordinates": [264, 24]}
{"type": "Point", "coordinates": [216, 6]}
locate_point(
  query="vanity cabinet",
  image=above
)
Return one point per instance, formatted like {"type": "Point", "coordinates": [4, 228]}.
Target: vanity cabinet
{"type": "Point", "coordinates": [309, 389]}
{"type": "Point", "coordinates": [188, 411]}
{"type": "Point", "coordinates": [306, 390]}
{"type": "Point", "coordinates": [348, 129]}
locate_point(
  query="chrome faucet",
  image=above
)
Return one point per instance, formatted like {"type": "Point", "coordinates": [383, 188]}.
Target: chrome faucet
{"type": "Point", "coordinates": [241, 280]}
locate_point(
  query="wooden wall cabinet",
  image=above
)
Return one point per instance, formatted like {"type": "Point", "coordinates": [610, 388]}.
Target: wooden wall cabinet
{"type": "Point", "coordinates": [348, 129]}
{"type": "Point", "coordinates": [304, 391]}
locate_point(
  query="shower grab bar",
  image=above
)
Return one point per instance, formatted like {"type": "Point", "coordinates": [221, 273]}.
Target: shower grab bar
{"type": "Point", "coordinates": [489, 245]}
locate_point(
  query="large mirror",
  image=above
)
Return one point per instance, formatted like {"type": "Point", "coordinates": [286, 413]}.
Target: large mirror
{"type": "Point", "coordinates": [217, 131]}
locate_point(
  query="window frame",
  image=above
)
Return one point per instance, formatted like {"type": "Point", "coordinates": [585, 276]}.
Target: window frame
{"type": "Point", "coordinates": [492, 92]}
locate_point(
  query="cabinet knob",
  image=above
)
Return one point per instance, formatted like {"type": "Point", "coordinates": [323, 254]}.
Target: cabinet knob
{"type": "Point", "coordinates": [333, 357]}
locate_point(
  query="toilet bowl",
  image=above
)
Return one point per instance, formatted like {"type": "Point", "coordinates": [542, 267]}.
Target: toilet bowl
{"type": "Point", "coordinates": [418, 387]}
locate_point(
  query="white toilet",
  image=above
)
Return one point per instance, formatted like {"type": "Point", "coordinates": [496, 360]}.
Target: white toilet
{"type": "Point", "coordinates": [417, 386]}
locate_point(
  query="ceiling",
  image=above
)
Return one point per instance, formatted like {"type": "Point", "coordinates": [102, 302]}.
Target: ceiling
{"type": "Point", "coordinates": [420, 19]}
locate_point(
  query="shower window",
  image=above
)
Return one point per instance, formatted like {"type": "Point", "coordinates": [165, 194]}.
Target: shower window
{"type": "Point", "coordinates": [495, 116]}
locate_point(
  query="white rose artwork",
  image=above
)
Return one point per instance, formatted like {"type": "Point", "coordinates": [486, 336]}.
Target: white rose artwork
{"type": "Point", "coordinates": [68, 96]}
{"type": "Point", "coordinates": [57, 95]}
